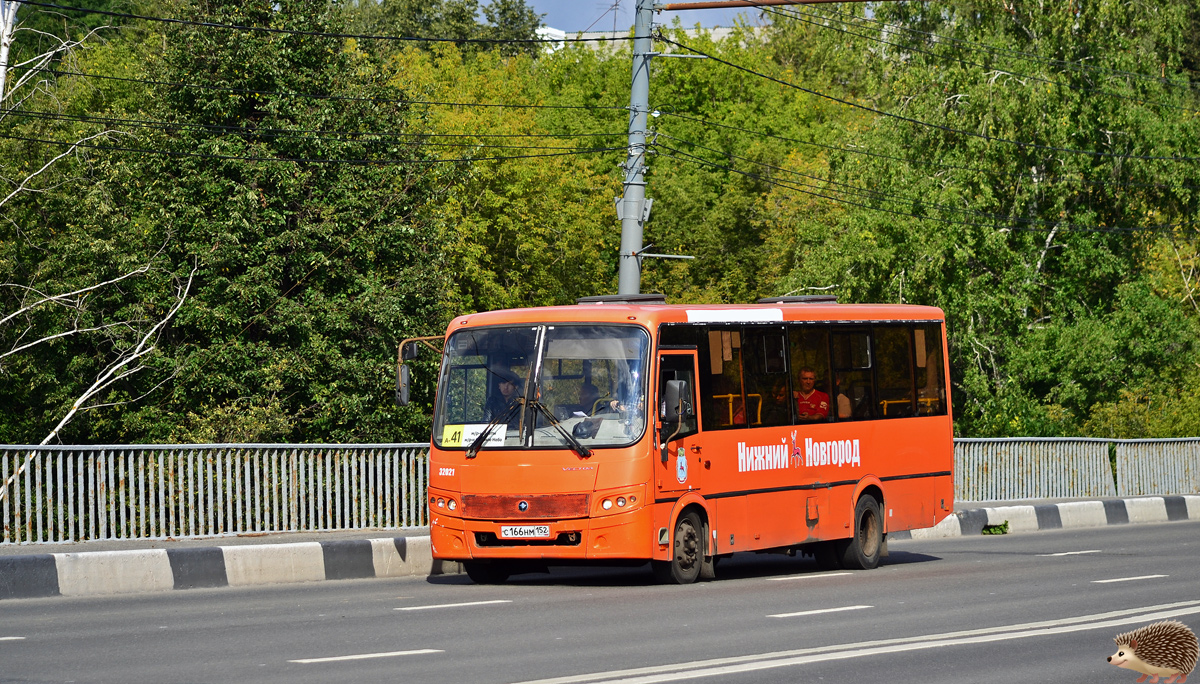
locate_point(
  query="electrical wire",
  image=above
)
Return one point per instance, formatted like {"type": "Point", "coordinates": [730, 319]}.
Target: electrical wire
{"type": "Point", "coordinates": [684, 156]}
{"type": "Point", "coordinates": [315, 96]}
{"type": "Point", "coordinates": [938, 166]}
{"type": "Point", "coordinates": [918, 122]}
{"type": "Point", "coordinates": [318, 34]}
{"type": "Point", "coordinates": [304, 160]}
{"type": "Point", "coordinates": [802, 17]}
{"type": "Point", "coordinates": [983, 47]}
{"type": "Point", "coordinates": [853, 189]}
{"type": "Point", "coordinates": [304, 134]}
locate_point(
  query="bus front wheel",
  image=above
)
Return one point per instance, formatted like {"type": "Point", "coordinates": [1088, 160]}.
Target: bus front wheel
{"type": "Point", "coordinates": [486, 573]}
{"type": "Point", "coordinates": [862, 551]}
{"type": "Point", "coordinates": [687, 553]}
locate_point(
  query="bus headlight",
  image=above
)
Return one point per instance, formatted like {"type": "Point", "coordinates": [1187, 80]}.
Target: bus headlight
{"type": "Point", "coordinates": [616, 501]}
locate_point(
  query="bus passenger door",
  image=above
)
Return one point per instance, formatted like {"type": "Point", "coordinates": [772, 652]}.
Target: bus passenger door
{"type": "Point", "coordinates": [677, 423]}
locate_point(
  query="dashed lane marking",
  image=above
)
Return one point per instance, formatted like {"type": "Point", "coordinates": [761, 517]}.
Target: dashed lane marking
{"type": "Point", "coordinates": [1067, 553]}
{"type": "Point", "coordinates": [1127, 579]}
{"type": "Point", "coordinates": [454, 605]}
{"type": "Point", "coordinates": [797, 577]}
{"type": "Point", "coordinates": [366, 656]}
{"type": "Point", "coordinates": [700, 669]}
{"type": "Point", "coordinates": [12, 638]}
{"type": "Point", "coordinates": [819, 611]}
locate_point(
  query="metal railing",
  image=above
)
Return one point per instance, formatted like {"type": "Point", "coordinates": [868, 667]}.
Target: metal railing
{"type": "Point", "coordinates": [1158, 466]}
{"type": "Point", "coordinates": [78, 493]}
{"type": "Point", "coordinates": [1031, 468]}
{"type": "Point", "coordinates": [1072, 467]}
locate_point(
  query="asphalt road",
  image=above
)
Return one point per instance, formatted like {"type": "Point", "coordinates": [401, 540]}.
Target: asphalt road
{"type": "Point", "coordinates": [980, 609]}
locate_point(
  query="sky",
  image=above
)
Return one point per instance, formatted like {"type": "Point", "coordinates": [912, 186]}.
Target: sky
{"type": "Point", "coordinates": [597, 15]}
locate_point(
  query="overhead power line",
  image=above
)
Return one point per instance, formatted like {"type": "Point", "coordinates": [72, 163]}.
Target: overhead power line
{"type": "Point", "coordinates": [319, 96]}
{"type": "Point", "coordinates": [918, 122]}
{"type": "Point", "coordinates": [1000, 51]}
{"type": "Point", "coordinates": [429, 139]}
{"type": "Point", "coordinates": [864, 192]}
{"type": "Point", "coordinates": [318, 34]}
{"type": "Point", "coordinates": [924, 163]}
{"type": "Point", "coordinates": [804, 17]}
{"type": "Point", "coordinates": [305, 160]}
{"type": "Point", "coordinates": [888, 197]}
{"type": "Point", "coordinates": [683, 156]}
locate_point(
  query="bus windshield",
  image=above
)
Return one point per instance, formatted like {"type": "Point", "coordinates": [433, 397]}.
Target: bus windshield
{"type": "Point", "coordinates": [547, 386]}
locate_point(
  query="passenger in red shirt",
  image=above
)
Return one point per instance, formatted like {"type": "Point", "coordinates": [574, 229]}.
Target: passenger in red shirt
{"type": "Point", "coordinates": [811, 403]}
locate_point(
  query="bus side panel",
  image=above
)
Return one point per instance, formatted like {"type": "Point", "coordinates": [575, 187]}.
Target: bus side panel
{"type": "Point", "coordinates": [767, 497]}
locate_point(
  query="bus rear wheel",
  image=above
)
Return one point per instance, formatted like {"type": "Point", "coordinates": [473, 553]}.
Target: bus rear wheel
{"type": "Point", "coordinates": [482, 572]}
{"type": "Point", "coordinates": [862, 551]}
{"type": "Point", "coordinates": [687, 552]}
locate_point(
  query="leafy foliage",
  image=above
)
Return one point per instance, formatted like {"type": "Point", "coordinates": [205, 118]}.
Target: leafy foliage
{"type": "Point", "coordinates": [1029, 168]}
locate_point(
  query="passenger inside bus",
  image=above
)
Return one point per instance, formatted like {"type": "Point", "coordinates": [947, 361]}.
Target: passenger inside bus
{"type": "Point", "coordinates": [777, 410]}
{"type": "Point", "coordinates": [811, 403]}
{"type": "Point", "coordinates": [843, 400]}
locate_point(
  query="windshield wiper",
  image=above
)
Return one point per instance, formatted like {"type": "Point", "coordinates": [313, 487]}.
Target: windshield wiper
{"type": "Point", "coordinates": [570, 439]}
{"type": "Point", "coordinates": [473, 450]}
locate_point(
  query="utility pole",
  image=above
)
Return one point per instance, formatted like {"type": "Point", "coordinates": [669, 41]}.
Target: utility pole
{"type": "Point", "coordinates": [633, 208]}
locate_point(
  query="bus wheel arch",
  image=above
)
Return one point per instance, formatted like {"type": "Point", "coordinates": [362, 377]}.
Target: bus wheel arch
{"type": "Point", "coordinates": [689, 548]}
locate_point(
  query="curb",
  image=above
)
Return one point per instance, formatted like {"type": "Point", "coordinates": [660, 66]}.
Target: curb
{"type": "Point", "coordinates": [98, 573]}
{"type": "Point", "coordinates": [1061, 516]}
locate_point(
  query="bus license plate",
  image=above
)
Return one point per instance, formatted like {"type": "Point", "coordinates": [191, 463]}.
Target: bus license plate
{"type": "Point", "coordinates": [524, 531]}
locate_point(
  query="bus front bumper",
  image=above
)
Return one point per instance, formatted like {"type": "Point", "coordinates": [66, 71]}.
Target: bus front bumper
{"type": "Point", "coordinates": [620, 536]}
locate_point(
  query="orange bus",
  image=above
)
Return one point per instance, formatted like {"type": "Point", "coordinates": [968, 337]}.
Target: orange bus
{"type": "Point", "coordinates": [624, 429]}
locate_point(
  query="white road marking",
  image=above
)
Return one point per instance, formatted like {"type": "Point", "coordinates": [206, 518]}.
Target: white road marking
{"type": "Point", "coordinates": [796, 577]}
{"type": "Point", "coordinates": [365, 656]}
{"type": "Point", "coordinates": [1067, 553]}
{"type": "Point", "coordinates": [819, 611]}
{"type": "Point", "coordinates": [12, 638]}
{"type": "Point", "coordinates": [761, 661]}
{"type": "Point", "coordinates": [454, 605]}
{"type": "Point", "coordinates": [1128, 579]}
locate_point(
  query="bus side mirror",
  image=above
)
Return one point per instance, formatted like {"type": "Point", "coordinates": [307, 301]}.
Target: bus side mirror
{"type": "Point", "coordinates": [673, 390]}
{"type": "Point", "coordinates": [408, 352]}
{"type": "Point", "coordinates": [677, 401]}
{"type": "Point", "coordinates": [402, 385]}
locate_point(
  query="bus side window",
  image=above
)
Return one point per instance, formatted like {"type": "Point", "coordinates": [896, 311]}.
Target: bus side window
{"type": "Point", "coordinates": [721, 380]}
{"type": "Point", "coordinates": [894, 372]}
{"type": "Point", "coordinates": [854, 384]}
{"type": "Point", "coordinates": [931, 385]}
{"type": "Point", "coordinates": [764, 369]}
{"type": "Point", "coordinates": [810, 360]}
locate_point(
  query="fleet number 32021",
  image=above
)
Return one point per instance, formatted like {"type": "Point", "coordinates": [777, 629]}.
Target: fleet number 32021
{"type": "Point", "coordinates": [446, 471]}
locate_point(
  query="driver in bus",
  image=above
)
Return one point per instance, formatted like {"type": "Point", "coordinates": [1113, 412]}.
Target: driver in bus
{"type": "Point", "coordinates": [811, 403]}
{"type": "Point", "coordinates": [504, 396]}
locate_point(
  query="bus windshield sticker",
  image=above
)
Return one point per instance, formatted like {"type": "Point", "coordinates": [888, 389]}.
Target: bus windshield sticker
{"type": "Point", "coordinates": [460, 435]}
